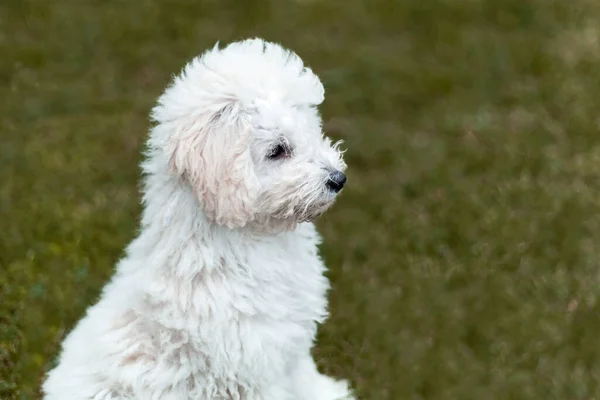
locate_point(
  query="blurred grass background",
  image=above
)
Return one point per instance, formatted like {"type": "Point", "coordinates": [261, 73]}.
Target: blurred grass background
{"type": "Point", "coordinates": [464, 252]}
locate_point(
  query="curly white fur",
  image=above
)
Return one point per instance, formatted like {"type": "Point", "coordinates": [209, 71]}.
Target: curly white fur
{"type": "Point", "coordinates": [220, 295]}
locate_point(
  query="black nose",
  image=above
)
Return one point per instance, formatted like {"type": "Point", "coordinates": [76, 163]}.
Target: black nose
{"type": "Point", "coordinates": [336, 181]}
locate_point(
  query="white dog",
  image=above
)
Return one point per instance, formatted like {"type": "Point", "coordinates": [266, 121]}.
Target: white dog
{"type": "Point", "coordinates": [220, 295]}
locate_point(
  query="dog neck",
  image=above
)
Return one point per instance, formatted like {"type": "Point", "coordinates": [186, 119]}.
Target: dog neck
{"type": "Point", "coordinates": [184, 252]}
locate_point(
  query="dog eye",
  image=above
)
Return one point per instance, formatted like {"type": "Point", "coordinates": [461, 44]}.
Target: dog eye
{"type": "Point", "coordinates": [277, 152]}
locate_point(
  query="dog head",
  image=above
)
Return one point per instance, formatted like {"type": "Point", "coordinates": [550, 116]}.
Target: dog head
{"type": "Point", "coordinates": [240, 126]}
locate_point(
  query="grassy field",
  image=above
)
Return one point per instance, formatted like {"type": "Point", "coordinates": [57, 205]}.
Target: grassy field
{"type": "Point", "coordinates": [465, 251]}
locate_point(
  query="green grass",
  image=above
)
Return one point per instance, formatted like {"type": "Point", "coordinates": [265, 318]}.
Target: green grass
{"type": "Point", "coordinates": [465, 251]}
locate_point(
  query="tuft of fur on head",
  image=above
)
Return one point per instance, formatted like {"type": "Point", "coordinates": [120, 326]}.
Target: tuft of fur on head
{"type": "Point", "coordinates": [239, 125]}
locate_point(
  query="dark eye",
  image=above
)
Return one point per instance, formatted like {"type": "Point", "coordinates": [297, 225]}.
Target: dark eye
{"type": "Point", "coordinates": [277, 152]}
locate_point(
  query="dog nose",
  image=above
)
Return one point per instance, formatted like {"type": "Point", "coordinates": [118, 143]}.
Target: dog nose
{"type": "Point", "coordinates": [336, 181]}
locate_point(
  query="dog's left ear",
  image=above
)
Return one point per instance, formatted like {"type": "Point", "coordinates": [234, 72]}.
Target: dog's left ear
{"type": "Point", "coordinates": [211, 152]}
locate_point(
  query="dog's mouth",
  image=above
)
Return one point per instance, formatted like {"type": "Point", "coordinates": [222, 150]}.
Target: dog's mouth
{"type": "Point", "coordinates": [312, 212]}
{"type": "Point", "coordinates": [298, 209]}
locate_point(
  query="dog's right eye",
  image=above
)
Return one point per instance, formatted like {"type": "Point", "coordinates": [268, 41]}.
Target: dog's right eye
{"type": "Point", "coordinates": [277, 152]}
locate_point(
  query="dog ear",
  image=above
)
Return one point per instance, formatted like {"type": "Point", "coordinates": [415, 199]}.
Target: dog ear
{"type": "Point", "coordinates": [211, 152]}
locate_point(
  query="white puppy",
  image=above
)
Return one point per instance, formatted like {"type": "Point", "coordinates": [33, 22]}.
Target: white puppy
{"type": "Point", "coordinates": [220, 295]}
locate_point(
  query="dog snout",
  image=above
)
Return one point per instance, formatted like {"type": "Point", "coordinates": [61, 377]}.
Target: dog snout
{"type": "Point", "coordinates": [336, 181]}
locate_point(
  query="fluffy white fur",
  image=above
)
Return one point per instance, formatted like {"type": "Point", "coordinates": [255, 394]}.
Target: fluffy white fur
{"type": "Point", "coordinates": [220, 295]}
